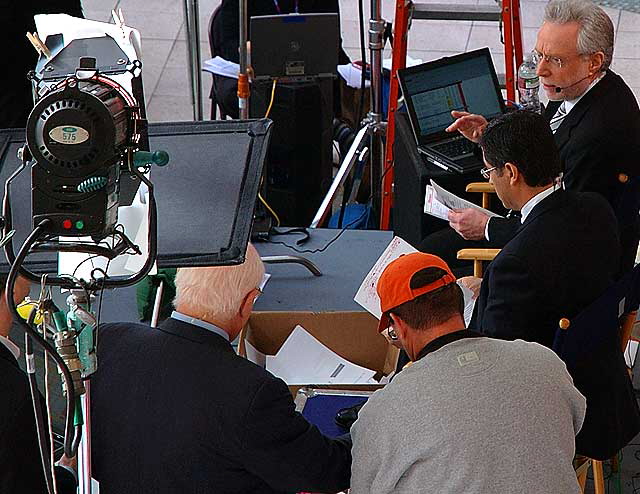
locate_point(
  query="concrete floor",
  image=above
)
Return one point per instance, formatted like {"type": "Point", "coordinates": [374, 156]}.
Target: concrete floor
{"type": "Point", "coordinates": [161, 25]}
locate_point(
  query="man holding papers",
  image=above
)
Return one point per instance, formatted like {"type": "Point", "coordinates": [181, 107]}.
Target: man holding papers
{"type": "Point", "coordinates": [595, 120]}
{"type": "Point", "coordinates": [566, 250]}
{"type": "Point", "coordinates": [471, 411]}
{"type": "Point", "coordinates": [175, 409]}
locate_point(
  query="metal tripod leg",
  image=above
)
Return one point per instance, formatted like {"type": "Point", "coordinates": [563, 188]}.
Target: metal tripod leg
{"type": "Point", "coordinates": [354, 153]}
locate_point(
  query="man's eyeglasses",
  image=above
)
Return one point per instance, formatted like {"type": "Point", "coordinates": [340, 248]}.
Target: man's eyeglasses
{"type": "Point", "coordinates": [486, 172]}
{"type": "Point", "coordinates": [539, 57]}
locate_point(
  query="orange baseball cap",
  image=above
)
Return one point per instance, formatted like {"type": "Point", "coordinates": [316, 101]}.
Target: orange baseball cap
{"type": "Point", "coordinates": [394, 284]}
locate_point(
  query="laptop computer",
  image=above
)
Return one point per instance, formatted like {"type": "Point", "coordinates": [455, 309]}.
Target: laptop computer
{"type": "Point", "coordinates": [294, 46]}
{"type": "Point", "coordinates": [465, 82]}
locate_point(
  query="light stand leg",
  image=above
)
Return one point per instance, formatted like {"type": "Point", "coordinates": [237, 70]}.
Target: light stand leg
{"type": "Point", "coordinates": [345, 168]}
{"type": "Point", "coordinates": [84, 451]}
{"type": "Point", "coordinates": [192, 29]}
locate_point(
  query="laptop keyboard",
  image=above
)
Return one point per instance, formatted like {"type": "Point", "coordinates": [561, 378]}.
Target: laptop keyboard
{"type": "Point", "coordinates": [454, 148]}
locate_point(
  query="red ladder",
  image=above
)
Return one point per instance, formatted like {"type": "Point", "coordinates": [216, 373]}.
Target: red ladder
{"type": "Point", "coordinates": [509, 14]}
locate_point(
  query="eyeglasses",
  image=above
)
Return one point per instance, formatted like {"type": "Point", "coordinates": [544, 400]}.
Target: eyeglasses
{"type": "Point", "coordinates": [486, 172]}
{"type": "Point", "coordinates": [539, 57]}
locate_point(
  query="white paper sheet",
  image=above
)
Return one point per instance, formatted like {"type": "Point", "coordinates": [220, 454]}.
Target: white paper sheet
{"type": "Point", "coordinates": [366, 295]}
{"type": "Point", "coordinates": [469, 303]}
{"type": "Point", "coordinates": [220, 66]}
{"type": "Point", "coordinates": [352, 74]}
{"type": "Point", "coordinates": [302, 359]}
{"type": "Point", "coordinates": [433, 206]}
{"type": "Point", "coordinates": [452, 201]}
{"type": "Point", "coordinates": [253, 355]}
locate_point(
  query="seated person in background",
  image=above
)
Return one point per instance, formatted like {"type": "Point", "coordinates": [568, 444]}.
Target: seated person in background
{"type": "Point", "coordinates": [596, 124]}
{"type": "Point", "coordinates": [471, 412]}
{"type": "Point", "coordinates": [566, 251]}
{"type": "Point", "coordinates": [225, 34]}
{"type": "Point", "coordinates": [174, 409]}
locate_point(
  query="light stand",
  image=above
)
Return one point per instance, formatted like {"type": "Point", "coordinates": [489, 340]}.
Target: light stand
{"type": "Point", "coordinates": [192, 30]}
{"type": "Point", "coordinates": [243, 76]}
{"type": "Point", "coordinates": [373, 127]}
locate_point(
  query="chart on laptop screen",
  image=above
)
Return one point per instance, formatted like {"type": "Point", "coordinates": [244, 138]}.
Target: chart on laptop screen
{"type": "Point", "coordinates": [434, 106]}
{"type": "Point", "coordinates": [435, 89]}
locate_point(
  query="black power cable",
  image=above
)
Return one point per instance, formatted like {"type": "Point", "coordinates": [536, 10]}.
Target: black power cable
{"type": "Point", "coordinates": [45, 345]}
{"type": "Point", "coordinates": [41, 430]}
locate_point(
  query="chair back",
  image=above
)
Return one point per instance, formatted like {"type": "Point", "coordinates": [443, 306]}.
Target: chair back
{"type": "Point", "coordinates": [590, 345]}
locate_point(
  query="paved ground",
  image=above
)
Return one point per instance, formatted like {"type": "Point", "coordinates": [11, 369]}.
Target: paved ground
{"type": "Point", "coordinates": [161, 24]}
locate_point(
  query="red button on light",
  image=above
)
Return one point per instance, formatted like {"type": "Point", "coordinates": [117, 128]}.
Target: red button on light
{"type": "Point", "coordinates": [66, 224]}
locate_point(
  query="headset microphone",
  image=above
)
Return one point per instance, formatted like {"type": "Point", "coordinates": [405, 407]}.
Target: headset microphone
{"type": "Point", "coordinates": [560, 89]}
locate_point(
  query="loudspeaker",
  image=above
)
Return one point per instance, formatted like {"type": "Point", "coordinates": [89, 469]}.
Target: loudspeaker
{"type": "Point", "coordinates": [299, 164]}
{"type": "Point", "coordinates": [412, 174]}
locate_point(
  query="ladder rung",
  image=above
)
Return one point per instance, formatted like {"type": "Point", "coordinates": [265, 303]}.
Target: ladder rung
{"type": "Point", "coordinates": [454, 12]}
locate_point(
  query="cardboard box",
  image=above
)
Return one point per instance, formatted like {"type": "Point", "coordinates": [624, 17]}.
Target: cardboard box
{"type": "Point", "coordinates": [352, 335]}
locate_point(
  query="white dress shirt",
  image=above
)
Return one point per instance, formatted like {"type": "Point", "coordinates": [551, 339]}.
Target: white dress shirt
{"type": "Point", "coordinates": [199, 322]}
{"type": "Point", "coordinates": [535, 200]}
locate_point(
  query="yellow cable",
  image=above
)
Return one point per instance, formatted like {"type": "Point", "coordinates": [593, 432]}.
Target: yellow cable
{"type": "Point", "coordinates": [273, 94]}
{"type": "Point", "coordinates": [266, 115]}
{"type": "Point", "coordinates": [273, 213]}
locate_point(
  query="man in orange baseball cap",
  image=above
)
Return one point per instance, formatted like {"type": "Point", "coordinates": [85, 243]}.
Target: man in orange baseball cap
{"type": "Point", "coordinates": [470, 409]}
{"type": "Point", "coordinates": [408, 288]}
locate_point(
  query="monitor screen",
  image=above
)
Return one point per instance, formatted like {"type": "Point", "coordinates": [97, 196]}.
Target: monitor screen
{"type": "Point", "coordinates": [465, 85]}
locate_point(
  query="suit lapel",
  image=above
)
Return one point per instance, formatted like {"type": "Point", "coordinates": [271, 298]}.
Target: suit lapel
{"type": "Point", "coordinates": [553, 201]}
{"type": "Point", "coordinates": [577, 113]}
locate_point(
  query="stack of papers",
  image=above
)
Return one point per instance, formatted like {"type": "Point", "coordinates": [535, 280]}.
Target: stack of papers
{"type": "Point", "coordinates": [302, 359]}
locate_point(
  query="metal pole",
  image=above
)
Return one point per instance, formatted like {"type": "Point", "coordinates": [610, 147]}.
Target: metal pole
{"type": "Point", "coordinates": [376, 33]}
{"type": "Point", "coordinates": [84, 453]}
{"type": "Point", "coordinates": [378, 127]}
{"type": "Point", "coordinates": [192, 29]}
{"type": "Point", "coordinates": [243, 78]}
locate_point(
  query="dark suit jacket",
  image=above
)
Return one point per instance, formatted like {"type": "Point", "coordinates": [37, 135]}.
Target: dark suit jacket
{"type": "Point", "coordinates": [598, 140]}
{"type": "Point", "coordinates": [20, 467]}
{"type": "Point", "coordinates": [20, 464]}
{"type": "Point", "coordinates": [175, 410]}
{"type": "Point", "coordinates": [561, 259]}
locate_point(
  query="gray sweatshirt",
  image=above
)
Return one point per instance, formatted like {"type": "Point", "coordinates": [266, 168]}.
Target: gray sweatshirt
{"type": "Point", "coordinates": [478, 415]}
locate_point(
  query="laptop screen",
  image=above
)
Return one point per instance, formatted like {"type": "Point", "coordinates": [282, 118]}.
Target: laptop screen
{"type": "Point", "coordinates": [465, 82]}
{"type": "Point", "coordinates": [294, 45]}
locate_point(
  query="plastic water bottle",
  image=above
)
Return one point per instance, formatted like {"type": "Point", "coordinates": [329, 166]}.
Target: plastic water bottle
{"type": "Point", "coordinates": [529, 84]}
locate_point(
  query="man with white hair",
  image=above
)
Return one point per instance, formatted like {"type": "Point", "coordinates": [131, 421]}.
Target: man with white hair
{"type": "Point", "coordinates": [175, 410]}
{"type": "Point", "coordinates": [595, 120]}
